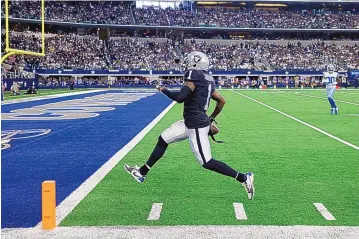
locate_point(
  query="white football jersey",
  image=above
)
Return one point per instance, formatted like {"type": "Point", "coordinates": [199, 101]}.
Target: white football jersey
{"type": "Point", "coordinates": [330, 78]}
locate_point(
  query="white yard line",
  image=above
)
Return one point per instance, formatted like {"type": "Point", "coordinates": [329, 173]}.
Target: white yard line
{"type": "Point", "coordinates": [155, 212]}
{"type": "Point", "coordinates": [324, 98]}
{"type": "Point", "coordinates": [66, 206]}
{"type": "Point", "coordinates": [239, 211]}
{"type": "Point", "coordinates": [300, 121]}
{"type": "Point", "coordinates": [324, 211]}
{"type": "Point", "coordinates": [347, 93]}
{"type": "Point", "coordinates": [45, 97]}
{"type": "Point", "coordinates": [180, 232]}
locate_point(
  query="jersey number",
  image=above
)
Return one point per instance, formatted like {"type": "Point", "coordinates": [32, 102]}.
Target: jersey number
{"type": "Point", "coordinates": [208, 97]}
{"type": "Point", "coordinates": [331, 80]}
{"type": "Point", "coordinates": [189, 75]}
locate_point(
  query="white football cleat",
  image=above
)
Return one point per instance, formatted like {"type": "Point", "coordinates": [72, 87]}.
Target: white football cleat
{"type": "Point", "coordinates": [135, 173]}
{"type": "Point", "coordinates": [249, 185]}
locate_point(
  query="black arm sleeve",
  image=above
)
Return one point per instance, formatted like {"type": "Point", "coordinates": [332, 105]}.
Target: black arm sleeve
{"type": "Point", "coordinates": [181, 96]}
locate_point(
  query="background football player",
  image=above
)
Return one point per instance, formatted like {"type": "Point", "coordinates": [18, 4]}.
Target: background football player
{"type": "Point", "coordinates": [199, 88]}
{"type": "Point", "coordinates": [330, 80]}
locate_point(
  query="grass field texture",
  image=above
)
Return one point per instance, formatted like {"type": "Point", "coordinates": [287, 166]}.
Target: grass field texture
{"type": "Point", "coordinates": [294, 166]}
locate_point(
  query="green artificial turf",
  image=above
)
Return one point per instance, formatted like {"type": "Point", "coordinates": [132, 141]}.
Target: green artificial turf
{"type": "Point", "coordinates": [40, 92]}
{"type": "Point", "coordinates": [294, 166]}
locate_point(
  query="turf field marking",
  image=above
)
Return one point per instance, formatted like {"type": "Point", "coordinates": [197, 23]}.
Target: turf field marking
{"type": "Point", "coordinates": [200, 232]}
{"type": "Point", "coordinates": [324, 211]}
{"type": "Point", "coordinates": [347, 93]}
{"type": "Point", "coordinates": [319, 97]}
{"type": "Point", "coordinates": [155, 212]}
{"type": "Point", "coordinates": [69, 203]}
{"type": "Point", "coordinates": [239, 211]}
{"type": "Point", "coordinates": [300, 121]}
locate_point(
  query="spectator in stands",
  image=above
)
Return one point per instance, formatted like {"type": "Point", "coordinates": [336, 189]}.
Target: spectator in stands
{"type": "Point", "coordinates": [114, 12]}
{"type": "Point", "coordinates": [88, 52]}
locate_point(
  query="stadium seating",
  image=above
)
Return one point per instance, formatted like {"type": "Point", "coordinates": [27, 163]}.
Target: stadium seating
{"type": "Point", "coordinates": [108, 12]}
{"type": "Point", "coordinates": [88, 52]}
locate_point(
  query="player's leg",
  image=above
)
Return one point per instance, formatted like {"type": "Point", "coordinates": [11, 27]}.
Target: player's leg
{"type": "Point", "coordinates": [175, 133]}
{"type": "Point", "coordinates": [330, 93]}
{"type": "Point", "coordinates": [199, 142]}
{"type": "Point", "coordinates": [336, 108]}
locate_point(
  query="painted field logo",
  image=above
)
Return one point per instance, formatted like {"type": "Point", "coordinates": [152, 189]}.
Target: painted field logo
{"type": "Point", "coordinates": [8, 135]}
{"type": "Point", "coordinates": [75, 109]}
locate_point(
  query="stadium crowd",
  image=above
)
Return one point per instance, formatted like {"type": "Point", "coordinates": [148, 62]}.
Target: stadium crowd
{"type": "Point", "coordinates": [133, 54]}
{"type": "Point", "coordinates": [112, 12]}
{"type": "Point", "coordinates": [264, 19]}
{"type": "Point", "coordinates": [102, 12]}
{"type": "Point", "coordinates": [245, 55]}
{"type": "Point", "coordinates": [62, 51]}
{"type": "Point", "coordinates": [88, 52]}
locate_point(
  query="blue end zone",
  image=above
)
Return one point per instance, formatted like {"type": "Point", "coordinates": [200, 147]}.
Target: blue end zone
{"type": "Point", "coordinates": [69, 154]}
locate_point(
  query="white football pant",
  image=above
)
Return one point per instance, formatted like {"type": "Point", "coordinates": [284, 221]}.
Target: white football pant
{"type": "Point", "coordinates": [198, 139]}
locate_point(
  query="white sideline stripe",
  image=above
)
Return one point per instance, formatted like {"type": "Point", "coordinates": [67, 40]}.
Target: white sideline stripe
{"type": "Point", "coordinates": [155, 212]}
{"type": "Point", "coordinates": [86, 187]}
{"type": "Point", "coordinates": [300, 121]}
{"type": "Point", "coordinates": [239, 211]}
{"type": "Point", "coordinates": [318, 97]}
{"type": "Point", "coordinates": [45, 97]}
{"type": "Point", "coordinates": [199, 232]}
{"type": "Point", "coordinates": [324, 211]}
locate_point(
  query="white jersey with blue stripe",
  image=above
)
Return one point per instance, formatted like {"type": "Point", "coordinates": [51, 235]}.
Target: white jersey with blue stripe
{"type": "Point", "coordinates": [330, 79]}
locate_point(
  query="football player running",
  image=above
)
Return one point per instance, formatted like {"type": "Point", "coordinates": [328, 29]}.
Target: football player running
{"type": "Point", "coordinates": [330, 80]}
{"type": "Point", "coordinates": [196, 93]}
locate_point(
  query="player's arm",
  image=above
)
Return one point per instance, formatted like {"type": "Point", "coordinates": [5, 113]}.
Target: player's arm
{"type": "Point", "coordinates": [220, 104]}
{"type": "Point", "coordinates": [182, 95]}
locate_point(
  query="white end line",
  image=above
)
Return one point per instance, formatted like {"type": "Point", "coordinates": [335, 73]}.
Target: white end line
{"type": "Point", "coordinates": [239, 211]}
{"type": "Point", "coordinates": [324, 211]}
{"type": "Point", "coordinates": [66, 206]}
{"type": "Point", "coordinates": [155, 213]}
{"type": "Point", "coordinates": [300, 121]}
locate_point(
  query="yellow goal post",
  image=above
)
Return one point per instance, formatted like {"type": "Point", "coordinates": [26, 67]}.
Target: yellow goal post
{"type": "Point", "coordinates": [10, 51]}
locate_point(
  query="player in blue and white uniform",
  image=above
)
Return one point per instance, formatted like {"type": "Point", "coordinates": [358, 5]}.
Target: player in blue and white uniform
{"type": "Point", "coordinates": [330, 80]}
{"type": "Point", "coordinates": [196, 94]}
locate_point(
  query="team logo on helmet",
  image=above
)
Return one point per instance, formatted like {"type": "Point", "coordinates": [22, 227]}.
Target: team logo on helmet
{"type": "Point", "coordinates": [197, 58]}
